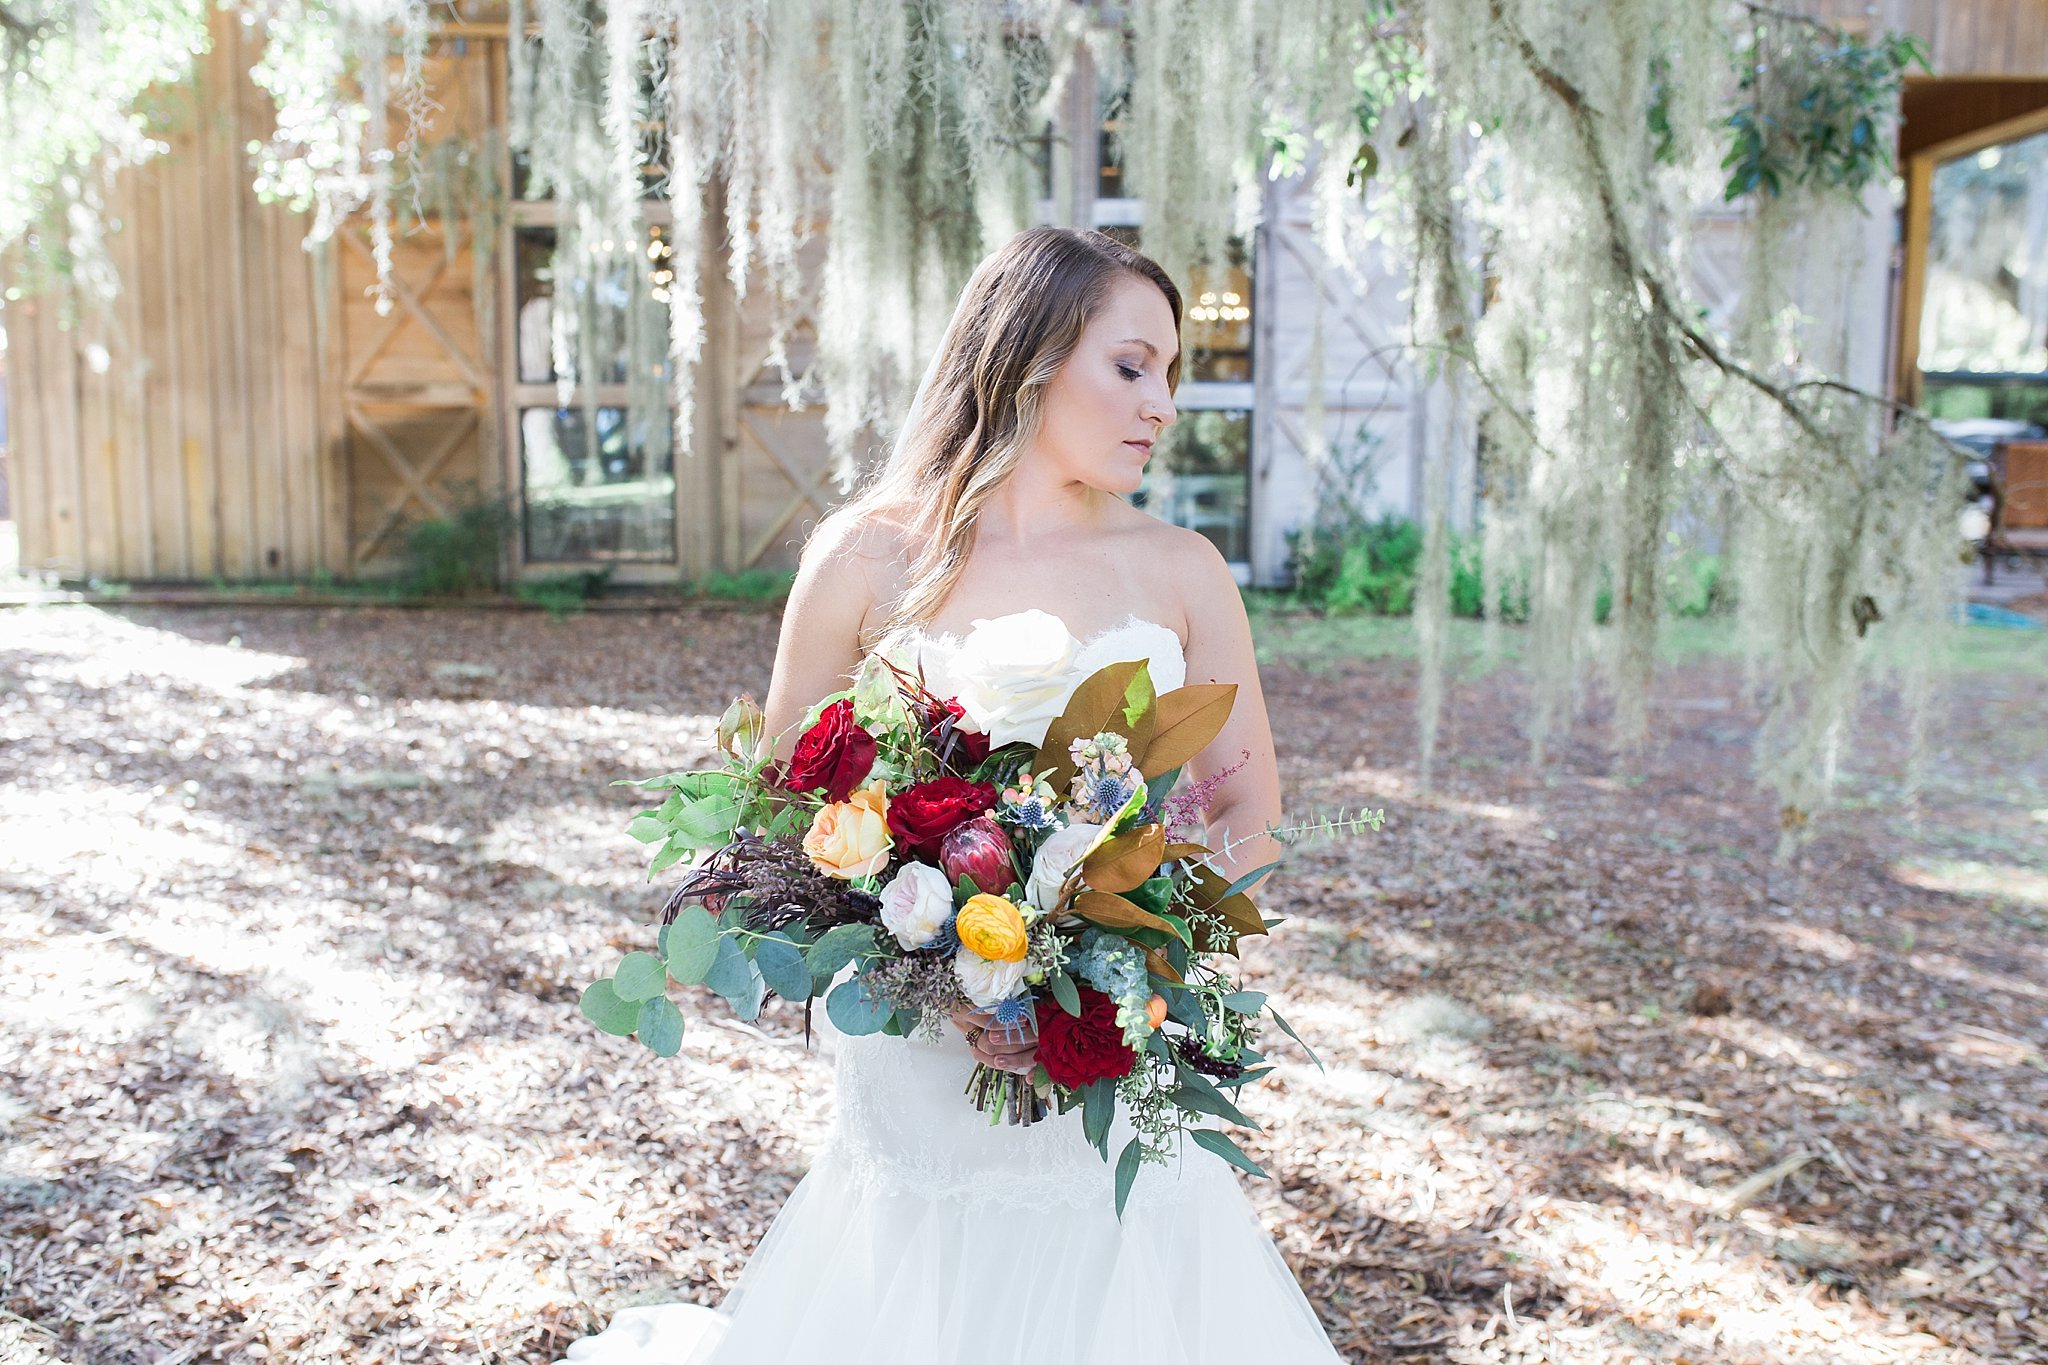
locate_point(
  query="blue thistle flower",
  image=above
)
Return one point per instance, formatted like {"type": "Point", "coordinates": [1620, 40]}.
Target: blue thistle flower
{"type": "Point", "coordinates": [1011, 1015]}
{"type": "Point", "coordinates": [947, 939]}
{"type": "Point", "coordinates": [1030, 814]}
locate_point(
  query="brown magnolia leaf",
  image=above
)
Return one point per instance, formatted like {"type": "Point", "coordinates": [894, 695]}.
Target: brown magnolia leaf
{"type": "Point", "coordinates": [1207, 891]}
{"type": "Point", "coordinates": [1097, 705]}
{"type": "Point", "coordinates": [1156, 960]}
{"type": "Point", "coordinates": [1126, 861]}
{"type": "Point", "coordinates": [1188, 718]}
{"type": "Point", "coordinates": [1112, 911]}
{"type": "Point", "coordinates": [1175, 852]}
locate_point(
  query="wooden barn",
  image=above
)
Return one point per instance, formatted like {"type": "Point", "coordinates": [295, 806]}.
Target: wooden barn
{"type": "Point", "coordinates": [248, 415]}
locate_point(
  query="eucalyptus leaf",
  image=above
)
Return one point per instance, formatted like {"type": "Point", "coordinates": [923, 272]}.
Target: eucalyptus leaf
{"type": "Point", "coordinates": [1245, 1002]}
{"type": "Point", "coordinates": [782, 966]}
{"type": "Point", "coordinates": [1182, 1005]}
{"type": "Point", "coordinates": [855, 1012]}
{"type": "Point", "coordinates": [747, 1004]}
{"type": "Point", "coordinates": [691, 944]}
{"type": "Point", "coordinates": [1244, 1078]}
{"type": "Point", "coordinates": [1222, 1146]}
{"type": "Point", "coordinates": [1244, 883]}
{"type": "Point", "coordinates": [1197, 1094]}
{"type": "Point", "coordinates": [1127, 1175]}
{"type": "Point", "coordinates": [1098, 1111]}
{"type": "Point", "coordinates": [1069, 996]}
{"type": "Point", "coordinates": [1288, 1029]}
{"type": "Point", "coordinates": [640, 977]}
{"type": "Point", "coordinates": [660, 1026]}
{"type": "Point", "coordinates": [731, 975]}
{"type": "Point", "coordinates": [602, 1006]}
{"type": "Point", "coordinates": [841, 944]}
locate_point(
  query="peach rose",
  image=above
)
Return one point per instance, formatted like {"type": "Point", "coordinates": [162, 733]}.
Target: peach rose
{"type": "Point", "coordinates": [991, 927]}
{"type": "Point", "coordinates": [850, 838]}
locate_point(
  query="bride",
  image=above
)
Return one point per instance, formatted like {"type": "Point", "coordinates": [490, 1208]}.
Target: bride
{"type": "Point", "coordinates": [996, 544]}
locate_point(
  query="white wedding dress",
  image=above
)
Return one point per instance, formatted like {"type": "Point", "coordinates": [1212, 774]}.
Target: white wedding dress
{"type": "Point", "coordinates": [923, 1236]}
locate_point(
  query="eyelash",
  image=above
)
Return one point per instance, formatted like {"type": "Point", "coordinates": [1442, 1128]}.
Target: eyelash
{"type": "Point", "coordinates": [1130, 374]}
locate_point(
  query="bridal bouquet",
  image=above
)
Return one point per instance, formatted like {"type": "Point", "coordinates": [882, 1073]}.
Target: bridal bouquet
{"type": "Point", "coordinates": [1048, 882]}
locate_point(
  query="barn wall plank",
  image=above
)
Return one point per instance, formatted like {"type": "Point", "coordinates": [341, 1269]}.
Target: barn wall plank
{"type": "Point", "coordinates": [29, 397]}
{"type": "Point", "coordinates": [221, 180]}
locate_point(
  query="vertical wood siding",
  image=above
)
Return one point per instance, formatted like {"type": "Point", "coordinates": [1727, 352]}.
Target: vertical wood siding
{"type": "Point", "coordinates": [177, 433]}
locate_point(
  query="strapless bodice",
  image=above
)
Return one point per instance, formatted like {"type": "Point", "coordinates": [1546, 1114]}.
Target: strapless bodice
{"type": "Point", "coordinates": [1013, 674]}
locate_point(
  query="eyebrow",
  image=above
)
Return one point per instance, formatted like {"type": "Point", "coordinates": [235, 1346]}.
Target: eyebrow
{"type": "Point", "coordinates": [1152, 350]}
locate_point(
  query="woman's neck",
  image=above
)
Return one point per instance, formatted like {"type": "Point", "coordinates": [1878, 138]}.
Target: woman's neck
{"type": "Point", "coordinates": [1031, 507]}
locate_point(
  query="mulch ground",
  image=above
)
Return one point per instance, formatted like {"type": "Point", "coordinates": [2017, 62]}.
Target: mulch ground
{"type": "Point", "coordinates": [295, 906]}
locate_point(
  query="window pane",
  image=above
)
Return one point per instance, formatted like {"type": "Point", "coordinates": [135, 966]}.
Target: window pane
{"type": "Point", "coordinates": [1987, 263]}
{"type": "Point", "coordinates": [624, 313]}
{"type": "Point", "coordinates": [1200, 477]}
{"type": "Point", "coordinates": [1216, 321]}
{"type": "Point", "coordinates": [597, 491]}
{"type": "Point", "coordinates": [1109, 144]}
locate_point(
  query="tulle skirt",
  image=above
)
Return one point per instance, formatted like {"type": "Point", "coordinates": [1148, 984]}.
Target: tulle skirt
{"type": "Point", "coordinates": [923, 1236]}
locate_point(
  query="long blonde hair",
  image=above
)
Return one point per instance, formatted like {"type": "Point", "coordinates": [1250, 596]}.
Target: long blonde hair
{"type": "Point", "coordinates": [1019, 318]}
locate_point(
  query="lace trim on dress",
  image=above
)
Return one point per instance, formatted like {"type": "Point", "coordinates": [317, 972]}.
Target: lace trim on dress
{"type": "Point", "coordinates": [957, 638]}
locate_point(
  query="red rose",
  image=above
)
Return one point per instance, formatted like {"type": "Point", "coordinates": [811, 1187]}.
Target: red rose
{"type": "Point", "coordinates": [969, 746]}
{"type": "Point", "coordinates": [1081, 1050]}
{"type": "Point", "coordinates": [921, 816]}
{"type": "Point", "coordinates": [836, 754]}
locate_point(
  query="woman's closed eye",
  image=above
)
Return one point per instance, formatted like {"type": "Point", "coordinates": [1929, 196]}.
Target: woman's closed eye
{"type": "Point", "coordinates": [1130, 374]}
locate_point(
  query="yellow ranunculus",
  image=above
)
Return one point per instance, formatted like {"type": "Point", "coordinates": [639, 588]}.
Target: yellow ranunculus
{"type": "Point", "coordinates": [991, 927]}
{"type": "Point", "coordinates": [850, 838]}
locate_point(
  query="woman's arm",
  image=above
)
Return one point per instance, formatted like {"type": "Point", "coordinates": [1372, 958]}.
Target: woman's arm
{"type": "Point", "coordinates": [819, 646]}
{"type": "Point", "coordinates": [1219, 649]}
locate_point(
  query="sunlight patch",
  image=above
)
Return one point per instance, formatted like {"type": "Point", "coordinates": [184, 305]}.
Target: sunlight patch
{"type": "Point", "coordinates": [1962, 877]}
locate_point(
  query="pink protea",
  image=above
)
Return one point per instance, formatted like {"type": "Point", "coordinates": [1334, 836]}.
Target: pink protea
{"type": "Point", "coordinates": [978, 850]}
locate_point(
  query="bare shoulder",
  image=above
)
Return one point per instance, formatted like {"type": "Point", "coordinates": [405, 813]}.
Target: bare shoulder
{"type": "Point", "coordinates": [1200, 580]}
{"type": "Point", "coordinates": [847, 535]}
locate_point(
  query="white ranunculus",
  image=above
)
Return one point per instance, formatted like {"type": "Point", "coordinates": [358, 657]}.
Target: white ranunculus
{"type": "Point", "coordinates": [916, 904]}
{"type": "Point", "coordinates": [987, 983]}
{"type": "Point", "coordinates": [1056, 858]}
{"type": "Point", "coordinates": [1015, 675]}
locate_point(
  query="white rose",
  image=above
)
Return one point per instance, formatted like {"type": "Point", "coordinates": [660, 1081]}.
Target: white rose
{"type": "Point", "coordinates": [1056, 858]}
{"type": "Point", "coordinates": [987, 983]}
{"type": "Point", "coordinates": [916, 904]}
{"type": "Point", "coordinates": [1015, 675]}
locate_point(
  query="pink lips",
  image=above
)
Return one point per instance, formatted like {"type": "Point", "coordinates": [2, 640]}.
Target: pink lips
{"type": "Point", "coordinates": [1142, 447]}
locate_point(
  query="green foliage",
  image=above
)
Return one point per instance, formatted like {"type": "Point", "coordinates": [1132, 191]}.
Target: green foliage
{"type": "Point", "coordinates": [1694, 586]}
{"type": "Point", "coordinates": [1372, 568]}
{"type": "Point", "coordinates": [1813, 107]}
{"type": "Point", "coordinates": [76, 104]}
{"type": "Point", "coordinates": [748, 585]}
{"type": "Point", "coordinates": [459, 554]}
{"type": "Point", "coordinates": [563, 594]}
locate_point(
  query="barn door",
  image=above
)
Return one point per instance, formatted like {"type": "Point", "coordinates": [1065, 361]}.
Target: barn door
{"type": "Point", "coordinates": [415, 381]}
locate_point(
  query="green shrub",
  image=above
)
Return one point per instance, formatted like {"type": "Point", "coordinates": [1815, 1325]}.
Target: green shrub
{"type": "Point", "coordinates": [1468, 585]}
{"type": "Point", "coordinates": [1376, 569]}
{"type": "Point", "coordinates": [457, 554]}
{"type": "Point", "coordinates": [1693, 585]}
{"type": "Point", "coordinates": [564, 593]}
{"type": "Point", "coordinates": [749, 585]}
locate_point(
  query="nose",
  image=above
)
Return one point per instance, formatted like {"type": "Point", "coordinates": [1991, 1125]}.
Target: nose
{"type": "Point", "coordinates": [1160, 410]}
